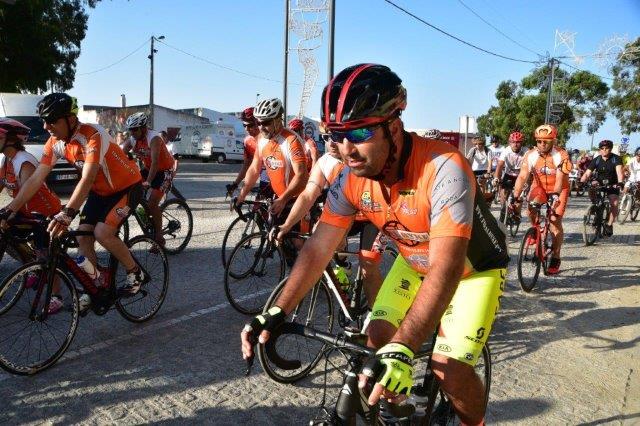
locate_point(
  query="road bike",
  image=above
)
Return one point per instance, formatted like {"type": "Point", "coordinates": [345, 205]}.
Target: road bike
{"type": "Point", "coordinates": [32, 339]}
{"type": "Point", "coordinates": [535, 249]}
{"type": "Point", "coordinates": [177, 222]}
{"type": "Point", "coordinates": [317, 310]}
{"type": "Point", "coordinates": [630, 203]}
{"type": "Point", "coordinates": [508, 214]}
{"type": "Point", "coordinates": [18, 239]}
{"type": "Point", "coordinates": [429, 404]}
{"type": "Point", "coordinates": [597, 214]}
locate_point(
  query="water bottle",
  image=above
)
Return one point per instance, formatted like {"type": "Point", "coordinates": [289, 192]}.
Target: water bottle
{"type": "Point", "coordinates": [343, 272]}
{"type": "Point", "coordinates": [88, 267]}
{"type": "Point", "coordinates": [142, 214]}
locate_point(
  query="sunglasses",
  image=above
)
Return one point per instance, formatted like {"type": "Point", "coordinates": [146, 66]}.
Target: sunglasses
{"type": "Point", "coordinates": [50, 121]}
{"type": "Point", "coordinates": [606, 147]}
{"type": "Point", "coordinates": [247, 125]}
{"type": "Point", "coordinates": [265, 123]}
{"type": "Point", "coordinates": [542, 141]}
{"type": "Point", "coordinates": [355, 136]}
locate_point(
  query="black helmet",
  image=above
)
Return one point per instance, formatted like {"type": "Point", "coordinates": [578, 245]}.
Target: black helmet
{"type": "Point", "coordinates": [362, 95]}
{"type": "Point", "coordinates": [57, 105]}
{"type": "Point", "coordinates": [606, 143]}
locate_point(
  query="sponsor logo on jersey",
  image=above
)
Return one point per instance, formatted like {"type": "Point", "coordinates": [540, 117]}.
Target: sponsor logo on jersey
{"type": "Point", "coordinates": [420, 260]}
{"type": "Point", "coordinates": [444, 348]}
{"type": "Point", "coordinates": [480, 333]}
{"type": "Point", "coordinates": [380, 313]}
{"type": "Point", "coordinates": [367, 204]}
{"type": "Point", "coordinates": [404, 207]}
{"type": "Point", "coordinates": [407, 192]}
{"type": "Point", "coordinates": [405, 284]}
{"type": "Point", "coordinates": [547, 171]}
{"type": "Point", "coordinates": [79, 164]}
{"type": "Point", "coordinates": [469, 356]}
{"type": "Point", "coordinates": [399, 234]}
{"type": "Point", "coordinates": [273, 163]}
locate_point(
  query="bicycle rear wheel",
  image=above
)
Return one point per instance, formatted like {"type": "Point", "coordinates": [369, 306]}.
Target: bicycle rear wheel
{"type": "Point", "coordinates": [177, 225]}
{"type": "Point", "coordinates": [235, 232]}
{"type": "Point", "coordinates": [29, 345]}
{"type": "Point", "coordinates": [255, 268]}
{"type": "Point", "coordinates": [626, 204]}
{"type": "Point", "coordinates": [316, 311]}
{"type": "Point", "coordinates": [528, 260]}
{"type": "Point", "coordinates": [590, 225]}
{"type": "Point", "coordinates": [153, 261]}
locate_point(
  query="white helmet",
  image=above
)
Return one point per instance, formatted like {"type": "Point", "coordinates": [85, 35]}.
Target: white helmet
{"type": "Point", "coordinates": [433, 134]}
{"type": "Point", "coordinates": [268, 109]}
{"type": "Point", "coordinates": [139, 119]}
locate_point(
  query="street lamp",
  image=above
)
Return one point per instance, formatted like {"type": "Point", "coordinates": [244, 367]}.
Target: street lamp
{"type": "Point", "coordinates": [151, 55]}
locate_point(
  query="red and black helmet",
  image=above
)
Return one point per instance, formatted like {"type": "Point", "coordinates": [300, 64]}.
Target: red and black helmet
{"type": "Point", "coordinates": [516, 137]}
{"type": "Point", "coordinates": [247, 115]}
{"type": "Point", "coordinates": [362, 95]}
{"type": "Point", "coordinates": [9, 126]}
{"type": "Point", "coordinates": [296, 124]}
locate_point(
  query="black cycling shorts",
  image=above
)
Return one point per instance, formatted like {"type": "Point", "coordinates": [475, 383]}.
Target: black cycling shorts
{"type": "Point", "coordinates": [508, 182]}
{"type": "Point", "coordinates": [111, 209]}
{"type": "Point", "coordinates": [161, 180]}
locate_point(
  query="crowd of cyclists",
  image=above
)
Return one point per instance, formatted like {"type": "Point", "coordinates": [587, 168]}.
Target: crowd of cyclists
{"type": "Point", "coordinates": [428, 198]}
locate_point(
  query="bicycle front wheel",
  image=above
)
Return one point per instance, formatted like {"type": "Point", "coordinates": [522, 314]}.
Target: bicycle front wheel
{"type": "Point", "coordinates": [590, 225]}
{"type": "Point", "coordinates": [255, 268]}
{"type": "Point", "coordinates": [316, 311]}
{"type": "Point", "coordinates": [32, 343]}
{"type": "Point", "coordinates": [177, 225]}
{"type": "Point", "coordinates": [529, 261]}
{"type": "Point", "coordinates": [625, 208]}
{"type": "Point", "coordinates": [238, 230]}
{"type": "Point", "coordinates": [152, 259]}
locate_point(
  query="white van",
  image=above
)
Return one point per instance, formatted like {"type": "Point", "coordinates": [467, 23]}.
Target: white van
{"type": "Point", "coordinates": [209, 141]}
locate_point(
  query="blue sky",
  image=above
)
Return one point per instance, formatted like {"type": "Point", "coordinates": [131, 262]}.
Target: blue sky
{"type": "Point", "coordinates": [444, 78]}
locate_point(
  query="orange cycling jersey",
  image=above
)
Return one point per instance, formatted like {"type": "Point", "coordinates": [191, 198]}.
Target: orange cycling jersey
{"type": "Point", "coordinates": [142, 150]}
{"type": "Point", "coordinates": [545, 167]}
{"type": "Point", "coordinates": [278, 155]}
{"type": "Point", "coordinates": [249, 147]}
{"type": "Point", "coordinates": [330, 167]}
{"type": "Point", "coordinates": [44, 201]}
{"type": "Point", "coordinates": [436, 196]}
{"type": "Point", "coordinates": [310, 147]}
{"type": "Point", "coordinates": [92, 144]}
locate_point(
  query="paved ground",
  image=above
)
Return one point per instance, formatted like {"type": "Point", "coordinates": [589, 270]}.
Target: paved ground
{"type": "Point", "coordinates": [567, 353]}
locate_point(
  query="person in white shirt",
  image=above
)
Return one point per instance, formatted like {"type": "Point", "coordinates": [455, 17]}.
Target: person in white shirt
{"type": "Point", "coordinates": [495, 151]}
{"type": "Point", "coordinates": [633, 167]}
{"type": "Point", "coordinates": [509, 163]}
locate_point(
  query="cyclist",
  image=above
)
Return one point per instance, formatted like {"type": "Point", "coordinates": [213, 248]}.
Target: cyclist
{"type": "Point", "coordinates": [109, 182]}
{"type": "Point", "coordinates": [420, 193]}
{"type": "Point", "coordinates": [157, 165]}
{"type": "Point", "coordinates": [310, 147]}
{"type": "Point", "coordinates": [495, 152]}
{"type": "Point", "coordinates": [633, 168]}
{"type": "Point", "coordinates": [250, 124]}
{"type": "Point", "coordinates": [550, 166]}
{"type": "Point", "coordinates": [606, 169]}
{"type": "Point", "coordinates": [282, 153]}
{"type": "Point", "coordinates": [480, 159]}
{"type": "Point", "coordinates": [509, 162]}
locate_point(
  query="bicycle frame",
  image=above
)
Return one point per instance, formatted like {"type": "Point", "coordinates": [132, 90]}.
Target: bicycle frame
{"type": "Point", "coordinates": [542, 230]}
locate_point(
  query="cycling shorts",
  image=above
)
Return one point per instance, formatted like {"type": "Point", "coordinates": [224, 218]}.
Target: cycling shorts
{"type": "Point", "coordinates": [508, 182]}
{"type": "Point", "coordinates": [112, 209]}
{"type": "Point", "coordinates": [161, 181]}
{"type": "Point", "coordinates": [562, 202]}
{"type": "Point", "coordinates": [465, 325]}
{"type": "Point", "coordinates": [479, 172]}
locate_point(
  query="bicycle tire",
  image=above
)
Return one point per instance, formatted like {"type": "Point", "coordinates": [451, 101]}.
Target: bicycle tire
{"type": "Point", "coordinates": [513, 227]}
{"type": "Point", "coordinates": [439, 409]}
{"type": "Point", "coordinates": [310, 304]}
{"type": "Point", "coordinates": [123, 231]}
{"type": "Point", "coordinates": [625, 208]}
{"type": "Point", "coordinates": [635, 210]}
{"type": "Point", "coordinates": [9, 317]}
{"type": "Point", "coordinates": [251, 259]}
{"type": "Point", "coordinates": [136, 308]}
{"type": "Point", "coordinates": [171, 223]}
{"type": "Point", "coordinates": [590, 226]}
{"type": "Point", "coordinates": [248, 227]}
{"type": "Point", "coordinates": [528, 254]}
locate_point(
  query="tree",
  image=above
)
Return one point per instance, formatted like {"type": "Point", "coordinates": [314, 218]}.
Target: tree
{"type": "Point", "coordinates": [625, 102]}
{"type": "Point", "coordinates": [522, 106]}
{"type": "Point", "coordinates": [40, 43]}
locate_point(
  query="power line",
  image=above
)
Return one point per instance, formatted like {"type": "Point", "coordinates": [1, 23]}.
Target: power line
{"type": "Point", "coordinates": [117, 62]}
{"type": "Point", "coordinates": [457, 38]}
{"type": "Point", "coordinates": [511, 23]}
{"type": "Point", "coordinates": [579, 69]}
{"type": "Point", "coordinates": [495, 28]}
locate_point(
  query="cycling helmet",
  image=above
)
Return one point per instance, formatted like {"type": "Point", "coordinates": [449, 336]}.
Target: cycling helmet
{"type": "Point", "coordinates": [516, 137]}
{"type": "Point", "coordinates": [362, 95]}
{"type": "Point", "coordinates": [433, 134]}
{"type": "Point", "coordinates": [247, 115]}
{"type": "Point", "coordinates": [57, 105]}
{"type": "Point", "coordinates": [296, 124]}
{"type": "Point", "coordinates": [605, 143]}
{"type": "Point", "coordinates": [9, 126]}
{"type": "Point", "coordinates": [546, 132]}
{"type": "Point", "coordinates": [139, 119]}
{"type": "Point", "coordinates": [268, 109]}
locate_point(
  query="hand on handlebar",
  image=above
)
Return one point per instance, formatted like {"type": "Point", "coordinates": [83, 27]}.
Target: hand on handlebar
{"type": "Point", "coordinates": [259, 330]}
{"type": "Point", "coordinates": [392, 370]}
{"type": "Point", "coordinates": [231, 188]}
{"type": "Point", "coordinates": [5, 215]}
{"type": "Point", "coordinates": [61, 222]}
{"type": "Point", "coordinates": [277, 206]}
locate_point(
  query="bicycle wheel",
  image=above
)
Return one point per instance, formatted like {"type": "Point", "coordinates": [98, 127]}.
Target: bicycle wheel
{"type": "Point", "coordinates": [635, 209]}
{"type": "Point", "coordinates": [255, 268]}
{"type": "Point", "coordinates": [590, 224]}
{"type": "Point", "coordinates": [177, 225]}
{"type": "Point", "coordinates": [626, 204]}
{"type": "Point", "coordinates": [316, 311]}
{"type": "Point", "coordinates": [514, 224]}
{"type": "Point", "coordinates": [439, 409]}
{"type": "Point", "coordinates": [123, 231]}
{"type": "Point", "coordinates": [153, 260]}
{"type": "Point", "coordinates": [528, 261]}
{"type": "Point", "coordinates": [29, 345]}
{"type": "Point", "coordinates": [235, 232]}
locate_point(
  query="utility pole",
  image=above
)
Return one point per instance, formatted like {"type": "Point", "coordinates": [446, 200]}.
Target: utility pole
{"type": "Point", "coordinates": [151, 55]}
{"type": "Point", "coordinates": [547, 112]}
{"type": "Point", "coordinates": [286, 57]}
{"type": "Point", "coordinates": [332, 29]}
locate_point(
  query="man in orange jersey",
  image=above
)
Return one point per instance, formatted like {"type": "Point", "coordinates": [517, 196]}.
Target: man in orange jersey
{"type": "Point", "coordinates": [550, 166]}
{"type": "Point", "coordinates": [310, 146]}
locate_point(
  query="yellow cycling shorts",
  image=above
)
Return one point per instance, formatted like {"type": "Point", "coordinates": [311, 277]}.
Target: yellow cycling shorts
{"type": "Point", "coordinates": [467, 322]}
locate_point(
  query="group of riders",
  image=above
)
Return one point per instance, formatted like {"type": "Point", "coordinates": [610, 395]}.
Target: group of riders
{"type": "Point", "coordinates": [420, 192]}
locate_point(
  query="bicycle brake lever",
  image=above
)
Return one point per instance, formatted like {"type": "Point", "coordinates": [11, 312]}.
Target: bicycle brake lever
{"type": "Point", "coordinates": [251, 358]}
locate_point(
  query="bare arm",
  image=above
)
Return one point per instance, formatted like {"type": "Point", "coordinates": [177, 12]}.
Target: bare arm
{"type": "Point", "coordinates": [447, 256]}
{"type": "Point", "coordinates": [561, 178]}
{"type": "Point", "coordinates": [620, 173]}
{"type": "Point", "coordinates": [305, 200]}
{"type": "Point", "coordinates": [81, 191]}
{"type": "Point", "coordinates": [298, 182]}
{"type": "Point", "coordinates": [523, 176]}
{"type": "Point", "coordinates": [251, 176]}
{"type": "Point", "coordinates": [30, 187]}
{"type": "Point", "coordinates": [243, 171]}
{"type": "Point", "coordinates": [154, 145]}
{"type": "Point", "coordinates": [499, 168]}
{"type": "Point", "coordinates": [586, 175]}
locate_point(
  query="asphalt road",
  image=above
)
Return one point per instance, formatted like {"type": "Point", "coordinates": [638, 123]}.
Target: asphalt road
{"type": "Point", "coordinates": [566, 353]}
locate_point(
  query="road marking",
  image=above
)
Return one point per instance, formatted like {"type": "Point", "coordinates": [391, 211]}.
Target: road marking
{"type": "Point", "coordinates": [70, 355]}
